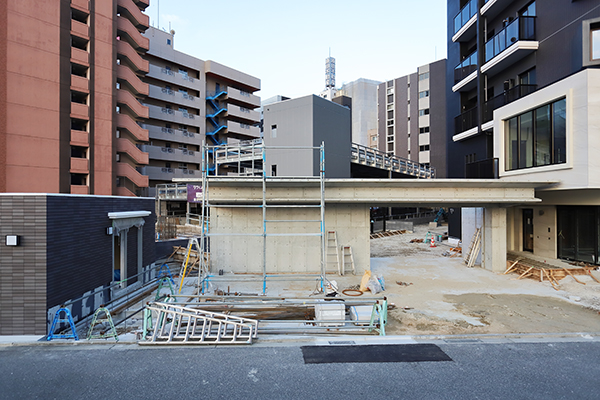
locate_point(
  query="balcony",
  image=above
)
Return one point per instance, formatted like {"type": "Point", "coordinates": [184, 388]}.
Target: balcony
{"type": "Point", "coordinates": [128, 147]}
{"type": "Point", "coordinates": [509, 96]}
{"type": "Point", "coordinates": [80, 189]}
{"type": "Point", "coordinates": [138, 42]}
{"type": "Point", "coordinates": [80, 138]}
{"type": "Point", "coordinates": [80, 29]}
{"type": "Point", "coordinates": [80, 84]}
{"type": "Point", "coordinates": [80, 111]}
{"type": "Point", "coordinates": [215, 69]}
{"type": "Point", "coordinates": [80, 165]}
{"type": "Point", "coordinates": [241, 98]}
{"type": "Point", "coordinates": [170, 76]}
{"type": "Point", "coordinates": [124, 121]}
{"type": "Point", "coordinates": [492, 8]}
{"type": "Point", "coordinates": [167, 174]}
{"type": "Point", "coordinates": [174, 135]}
{"type": "Point", "coordinates": [173, 154]}
{"type": "Point", "coordinates": [126, 74]}
{"type": "Point", "coordinates": [127, 99]}
{"type": "Point", "coordinates": [176, 116]}
{"type": "Point", "coordinates": [83, 5]}
{"type": "Point", "coordinates": [173, 96]}
{"type": "Point", "coordinates": [483, 169]}
{"type": "Point", "coordinates": [510, 45]}
{"type": "Point", "coordinates": [126, 170]}
{"type": "Point", "coordinates": [466, 121]}
{"type": "Point", "coordinates": [243, 115]}
{"type": "Point", "coordinates": [465, 73]}
{"type": "Point", "coordinates": [125, 50]}
{"type": "Point", "coordinates": [79, 56]}
{"type": "Point", "coordinates": [133, 13]}
{"type": "Point", "coordinates": [242, 131]}
{"type": "Point", "coordinates": [465, 23]}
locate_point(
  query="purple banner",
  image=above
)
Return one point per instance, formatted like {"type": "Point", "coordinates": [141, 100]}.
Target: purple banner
{"type": "Point", "coordinates": [194, 193]}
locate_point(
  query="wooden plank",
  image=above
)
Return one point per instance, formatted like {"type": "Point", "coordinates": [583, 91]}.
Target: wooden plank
{"type": "Point", "coordinates": [576, 280]}
{"type": "Point", "coordinates": [593, 277]}
{"type": "Point", "coordinates": [523, 274]}
{"type": "Point", "coordinates": [511, 267]}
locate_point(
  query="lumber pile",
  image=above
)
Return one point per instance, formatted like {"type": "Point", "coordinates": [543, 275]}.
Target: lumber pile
{"type": "Point", "coordinates": [180, 253]}
{"type": "Point", "coordinates": [378, 235]}
{"type": "Point", "coordinates": [532, 269]}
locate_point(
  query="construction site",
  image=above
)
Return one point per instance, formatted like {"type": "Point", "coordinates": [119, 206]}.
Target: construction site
{"type": "Point", "coordinates": [264, 257]}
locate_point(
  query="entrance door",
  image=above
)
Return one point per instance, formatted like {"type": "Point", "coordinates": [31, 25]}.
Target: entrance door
{"type": "Point", "coordinates": [527, 229]}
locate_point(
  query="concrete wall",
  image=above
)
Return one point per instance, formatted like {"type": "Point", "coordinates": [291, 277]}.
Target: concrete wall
{"type": "Point", "coordinates": [293, 254]}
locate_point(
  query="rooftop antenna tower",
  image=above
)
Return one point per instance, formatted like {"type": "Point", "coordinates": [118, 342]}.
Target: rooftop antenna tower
{"type": "Point", "coordinates": [330, 72]}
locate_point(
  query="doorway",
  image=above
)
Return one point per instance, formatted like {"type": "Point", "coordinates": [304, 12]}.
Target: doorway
{"type": "Point", "coordinates": [528, 229]}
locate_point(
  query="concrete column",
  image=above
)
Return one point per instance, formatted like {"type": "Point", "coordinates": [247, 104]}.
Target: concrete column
{"type": "Point", "coordinates": [140, 253]}
{"type": "Point", "coordinates": [494, 239]}
{"type": "Point", "coordinates": [123, 238]}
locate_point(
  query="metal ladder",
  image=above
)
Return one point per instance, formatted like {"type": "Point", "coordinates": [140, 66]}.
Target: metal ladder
{"type": "Point", "coordinates": [184, 265]}
{"type": "Point", "coordinates": [112, 332]}
{"type": "Point", "coordinates": [333, 255]}
{"type": "Point", "coordinates": [184, 325]}
{"type": "Point", "coordinates": [347, 260]}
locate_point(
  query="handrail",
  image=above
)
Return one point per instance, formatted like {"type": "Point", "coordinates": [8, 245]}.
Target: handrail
{"type": "Point", "coordinates": [368, 156]}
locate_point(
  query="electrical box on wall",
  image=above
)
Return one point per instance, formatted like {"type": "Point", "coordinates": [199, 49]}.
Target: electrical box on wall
{"type": "Point", "coordinates": [13, 240]}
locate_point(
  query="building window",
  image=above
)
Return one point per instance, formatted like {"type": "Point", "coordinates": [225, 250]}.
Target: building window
{"type": "Point", "coordinates": [390, 98]}
{"type": "Point", "coordinates": [424, 93]}
{"type": "Point", "coordinates": [424, 112]}
{"type": "Point", "coordinates": [390, 122]}
{"type": "Point", "coordinates": [424, 129]}
{"type": "Point", "coordinates": [390, 130]}
{"type": "Point", "coordinates": [528, 11]}
{"type": "Point", "coordinates": [390, 114]}
{"type": "Point", "coordinates": [273, 131]}
{"type": "Point", "coordinates": [527, 78]}
{"type": "Point", "coordinates": [595, 43]}
{"type": "Point", "coordinates": [424, 76]}
{"type": "Point", "coordinates": [424, 148]}
{"type": "Point", "coordinates": [537, 137]}
{"type": "Point", "coordinates": [169, 42]}
{"type": "Point", "coordinates": [390, 83]}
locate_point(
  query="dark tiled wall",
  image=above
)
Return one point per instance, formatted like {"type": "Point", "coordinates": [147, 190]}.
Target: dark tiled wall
{"type": "Point", "coordinates": [23, 268]}
{"type": "Point", "coordinates": [80, 251]}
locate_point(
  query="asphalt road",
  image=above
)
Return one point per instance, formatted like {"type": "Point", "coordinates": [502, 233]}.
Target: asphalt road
{"type": "Point", "coordinates": [543, 370]}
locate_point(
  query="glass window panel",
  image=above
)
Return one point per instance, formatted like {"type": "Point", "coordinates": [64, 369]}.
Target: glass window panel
{"type": "Point", "coordinates": [567, 237]}
{"type": "Point", "coordinates": [560, 131]}
{"type": "Point", "coordinates": [511, 145]}
{"type": "Point", "coordinates": [526, 140]}
{"type": "Point", "coordinates": [595, 44]}
{"type": "Point", "coordinates": [543, 136]}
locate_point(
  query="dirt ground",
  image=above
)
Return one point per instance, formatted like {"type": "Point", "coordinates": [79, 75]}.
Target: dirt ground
{"type": "Point", "coordinates": [440, 295]}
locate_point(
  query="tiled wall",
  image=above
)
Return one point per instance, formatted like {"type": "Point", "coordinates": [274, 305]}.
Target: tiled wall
{"type": "Point", "coordinates": [23, 268]}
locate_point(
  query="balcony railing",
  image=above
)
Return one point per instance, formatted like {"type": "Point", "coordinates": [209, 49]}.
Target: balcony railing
{"type": "Point", "coordinates": [167, 71]}
{"type": "Point", "coordinates": [522, 28]}
{"type": "Point", "coordinates": [466, 67]}
{"type": "Point", "coordinates": [509, 96]}
{"type": "Point", "coordinates": [464, 15]}
{"type": "Point", "coordinates": [168, 91]}
{"type": "Point", "coordinates": [466, 121]}
{"type": "Point", "coordinates": [483, 169]}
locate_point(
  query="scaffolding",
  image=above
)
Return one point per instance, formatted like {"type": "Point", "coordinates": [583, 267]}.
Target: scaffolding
{"type": "Point", "coordinates": [255, 154]}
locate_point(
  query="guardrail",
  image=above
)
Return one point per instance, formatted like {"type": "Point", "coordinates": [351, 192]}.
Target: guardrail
{"type": "Point", "coordinates": [367, 156]}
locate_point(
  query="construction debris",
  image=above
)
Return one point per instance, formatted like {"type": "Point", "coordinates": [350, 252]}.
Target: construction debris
{"type": "Point", "coordinates": [532, 269]}
{"type": "Point", "coordinates": [378, 235]}
{"type": "Point", "coordinates": [416, 241]}
{"type": "Point", "coordinates": [403, 283]}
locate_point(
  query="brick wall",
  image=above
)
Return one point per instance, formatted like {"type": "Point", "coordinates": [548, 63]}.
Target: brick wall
{"type": "Point", "coordinates": [23, 268]}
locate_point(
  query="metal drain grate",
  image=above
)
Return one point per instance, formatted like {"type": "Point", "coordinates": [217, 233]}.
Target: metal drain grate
{"type": "Point", "coordinates": [343, 342]}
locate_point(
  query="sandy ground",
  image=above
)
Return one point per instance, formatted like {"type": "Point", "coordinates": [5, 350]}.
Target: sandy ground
{"type": "Point", "coordinates": [446, 297]}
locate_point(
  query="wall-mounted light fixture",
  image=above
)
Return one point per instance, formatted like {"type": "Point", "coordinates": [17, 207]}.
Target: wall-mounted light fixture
{"type": "Point", "coordinates": [109, 230]}
{"type": "Point", "coordinates": [13, 240]}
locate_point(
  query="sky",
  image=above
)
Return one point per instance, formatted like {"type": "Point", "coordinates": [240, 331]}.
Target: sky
{"type": "Point", "coordinates": [285, 43]}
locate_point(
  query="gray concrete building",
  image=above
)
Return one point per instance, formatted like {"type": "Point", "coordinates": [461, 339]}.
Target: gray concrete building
{"type": "Point", "coordinates": [306, 122]}
{"type": "Point", "coordinates": [363, 93]}
{"type": "Point", "coordinates": [412, 116]}
{"type": "Point", "coordinates": [189, 101]}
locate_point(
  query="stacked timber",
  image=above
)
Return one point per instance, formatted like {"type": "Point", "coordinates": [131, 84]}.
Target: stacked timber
{"type": "Point", "coordinates": [527, 268]}
{"type": "Point", "coordinates": [378, 235]}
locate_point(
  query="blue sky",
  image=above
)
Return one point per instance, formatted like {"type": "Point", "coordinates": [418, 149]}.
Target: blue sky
{"type": "Point", "coordinates": [285, 43]}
